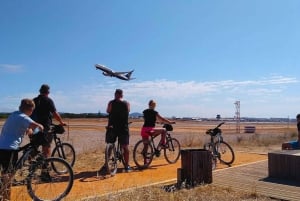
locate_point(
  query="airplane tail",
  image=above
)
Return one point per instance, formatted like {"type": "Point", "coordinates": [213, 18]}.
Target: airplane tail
{"type": "Point", "coordinates": [128, 75]}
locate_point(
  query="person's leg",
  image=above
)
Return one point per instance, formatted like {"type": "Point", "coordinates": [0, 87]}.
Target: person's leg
{"type": "Point", "coordinates": [126, 155]}
{"type": "Point", "coordinates": [46, 151]}
{"type": "Point", "coordinates": [46, 147]}
{"type": "Point", "coordinates": [8, 161]}
{"type": "Point", "coordinates": [5, 190]}
{"type": "Point", "coordinates": [162, 132]}
{"type": "Point", "coordinates": [124, 141]}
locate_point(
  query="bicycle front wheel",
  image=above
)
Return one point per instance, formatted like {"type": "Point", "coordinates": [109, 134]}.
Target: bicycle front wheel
{"type": "Point", "coordinates": [226, 154]}
{"type": "Point", "coordinates": [111, 159]}
{"type": "Point", "coordinates": [172, 150]}
{"type": "Point", "coordinates": [143, 154]}
{"type": "Point", "coordinates": [65, 151]}
{"type": "Point", "coordinates": [44, 183]}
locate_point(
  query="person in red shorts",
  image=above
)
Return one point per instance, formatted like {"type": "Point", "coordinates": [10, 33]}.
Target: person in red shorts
{"type": "Point", "coordinates": [150, 118]}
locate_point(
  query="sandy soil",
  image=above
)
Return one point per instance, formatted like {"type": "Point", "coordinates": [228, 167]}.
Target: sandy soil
{"type": "Point", "coordinates": [87, 136]}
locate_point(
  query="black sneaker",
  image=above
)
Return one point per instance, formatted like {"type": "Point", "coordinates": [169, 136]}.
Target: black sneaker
{"type": "Point", "coordinates": [128, 169]}
{"type": "Point", "coordinates": [45, 177]}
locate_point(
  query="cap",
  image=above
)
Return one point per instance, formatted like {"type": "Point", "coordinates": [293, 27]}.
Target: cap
{"type": "Point", "coordinates": [298, 116]}
{"type": "Point", "coordinates": [44, 89]}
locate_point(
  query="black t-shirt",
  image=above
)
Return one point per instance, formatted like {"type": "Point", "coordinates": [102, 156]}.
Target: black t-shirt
{"type": "Point", "coordinates": [149, 117]}
{"type": "Point", "coordinates": [44, 108]}
{"type": "Point", "coordinates": [118, 116]}
{"type": "Point", "coordinates": [298, 126]}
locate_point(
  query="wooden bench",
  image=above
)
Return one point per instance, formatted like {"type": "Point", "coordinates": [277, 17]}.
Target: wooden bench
{"type": "Point", "coordinates": [284, 164]}
{"type": "Point", "coordinates": [249, 129]}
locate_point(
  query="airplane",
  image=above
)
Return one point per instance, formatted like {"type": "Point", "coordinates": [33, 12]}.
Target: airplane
{"type": "Point", "coordinates": [108, 72]}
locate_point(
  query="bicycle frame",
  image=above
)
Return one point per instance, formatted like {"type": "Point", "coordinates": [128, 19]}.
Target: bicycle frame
{"type": "Point", "coordinates": [58, 143]}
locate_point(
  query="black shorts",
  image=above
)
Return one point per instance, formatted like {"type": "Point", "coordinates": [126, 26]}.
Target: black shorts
{"type": "Point", "coordinates": [112, 135]}
{"type": "Point", "coordinates": [8, 159]}
{"type": "Point", "coordinates": [41, 138]}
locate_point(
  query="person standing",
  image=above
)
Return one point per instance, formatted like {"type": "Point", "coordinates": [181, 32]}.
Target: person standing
{"type": "Point", "coordinates": [296, 143]}
{"type": "Point", "coordinates": [15, 127]}
{"type": "Point", "coordinates": [118, 112]}
{"type": "Point", "coordinates": [44, 111]}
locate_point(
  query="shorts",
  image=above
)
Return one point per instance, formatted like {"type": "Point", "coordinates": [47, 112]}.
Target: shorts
{"type": "Point", "coordinates": [112, 135]}
{"type": "Point", "coordinates": [42, 138]}
{"type": "Point", "coordinates": [145, 132]}
{"type": "Point", "coordinates": [8, 159]}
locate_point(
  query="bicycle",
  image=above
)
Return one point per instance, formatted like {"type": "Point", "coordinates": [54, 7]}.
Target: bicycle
{"type": "Point", "coordinates": [145, 150]}
{"type": "Point", "coordinates": [45, 178]}
{"type": "Point", "coordinates": [219, 149]}
{"type": "Point", "coordinates": [113, 155]}
{"type": "Point", "coordinates": [62, 149]}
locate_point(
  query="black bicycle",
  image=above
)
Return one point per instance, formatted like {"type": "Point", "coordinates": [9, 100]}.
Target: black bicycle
{"type": "Point", "coordinates": [145, 150]}
{"type": "Point", "coordinates": [218, 147]}
{"type": "Point", "coordinates": [113, 155]}
{"type": "Point", "coordinates": [62, 149]}
{"type": "Point", "coordinates": [45, 178]}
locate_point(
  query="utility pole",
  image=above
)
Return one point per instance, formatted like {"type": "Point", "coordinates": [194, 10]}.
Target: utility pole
{"type": "Point", "coordinates": [237, 116]}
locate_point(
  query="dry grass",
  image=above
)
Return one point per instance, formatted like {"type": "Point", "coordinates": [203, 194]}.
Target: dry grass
{"type": "Point", "coordinates": [200, 193]}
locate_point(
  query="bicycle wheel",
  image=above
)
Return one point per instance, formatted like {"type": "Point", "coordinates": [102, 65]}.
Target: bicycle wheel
{"type": "Point", "coordinates": [209, 147]}
{"type": "Point", "coordinates": [111, 159]}
{"type": "Point", "coordinates": [143, 154]}
{"type": "Point", "coordinates": [65, 151]}
{"type": "Point", "coordinates": [43, 183]}
{"type": "Point", "coordinates": [22, 169]}
{"type": "Point", "coordinates": [172, 150]}
{"type": "Point", "coordinates": [226, 154]}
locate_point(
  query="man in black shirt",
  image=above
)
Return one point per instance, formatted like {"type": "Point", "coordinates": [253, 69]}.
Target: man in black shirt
{"type": "Point", "coordinates": [43, 112]}
{"type": "Point", "coordinates": [118, 110]}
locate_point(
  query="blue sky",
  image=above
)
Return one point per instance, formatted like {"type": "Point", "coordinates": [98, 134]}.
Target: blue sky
{"type": "Point", "coordinates": [195, 58]}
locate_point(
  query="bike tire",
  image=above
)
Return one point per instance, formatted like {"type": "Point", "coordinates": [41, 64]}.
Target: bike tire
{"type": "Point", "coordinates": [22, 169]}
{"type": "Point", "coordinates": [143, 154]}
{"type": "Point", "coordinates": [226, 153]}
{"type": "Point", "coordinates": [172, 150]}
{"type": "Point", "coordinates": [209, 147]}
{"type": "Point", "coordinates": [65, 151]}
{"type": "Point", "coordinates": [111, 159]}
{"type": "Point", "coordinates": [58, 184]}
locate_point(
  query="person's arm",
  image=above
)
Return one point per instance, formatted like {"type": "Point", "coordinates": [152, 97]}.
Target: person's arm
{"type": "Point", "coordinates": [108, 109]}
{"type": "Point", "coordinates": [128, 106]}
{"type": "Point", "coordinates": [34, 125]}
{"type": "Point", "coordinates": [58, 118]}
{"type": "Point", "coordinates": [164, 119]}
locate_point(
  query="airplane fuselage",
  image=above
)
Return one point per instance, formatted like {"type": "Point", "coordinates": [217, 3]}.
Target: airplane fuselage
{"type": "Point", "coordinates": [108, 72]}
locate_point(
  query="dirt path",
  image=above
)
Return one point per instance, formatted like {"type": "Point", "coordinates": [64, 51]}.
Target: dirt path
{"type": "Point", "coordinates": [87, 183]}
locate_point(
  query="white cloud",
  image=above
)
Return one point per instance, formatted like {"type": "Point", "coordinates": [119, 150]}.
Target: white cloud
{"type": "Point", "coordinates": [11, 68]}
{"type": "Point", "coordinates": [204, 99]}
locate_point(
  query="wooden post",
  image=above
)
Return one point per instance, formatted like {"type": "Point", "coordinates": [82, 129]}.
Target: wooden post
{"type": "Point", "coordinates": [196, 167]}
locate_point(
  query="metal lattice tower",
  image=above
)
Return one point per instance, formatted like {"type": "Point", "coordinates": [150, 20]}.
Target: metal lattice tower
{"type": "Point", "coordinates": [237, 116]}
